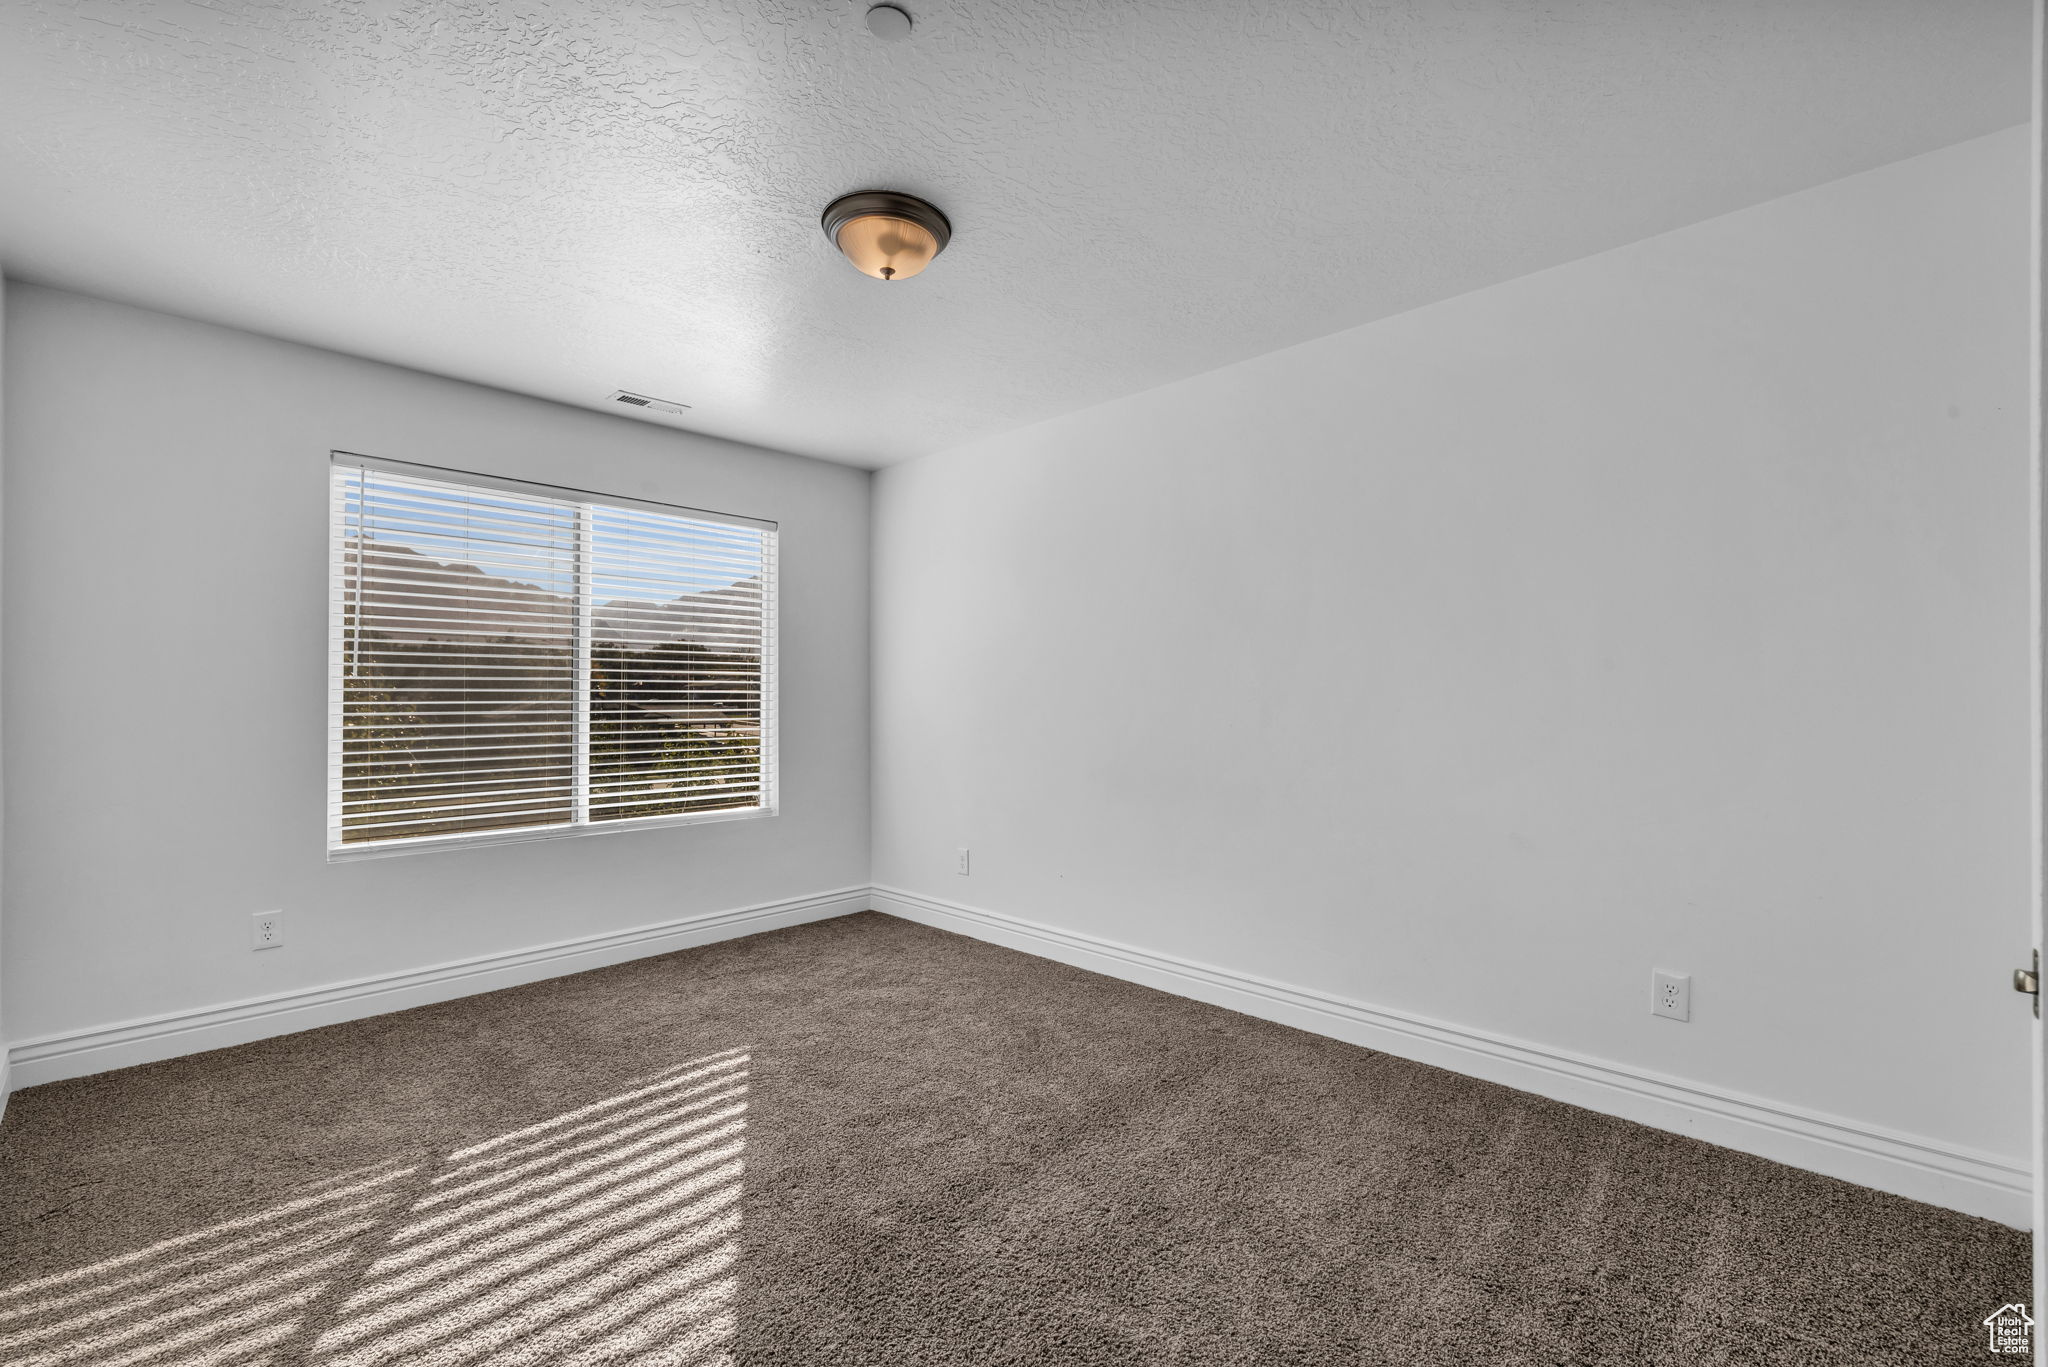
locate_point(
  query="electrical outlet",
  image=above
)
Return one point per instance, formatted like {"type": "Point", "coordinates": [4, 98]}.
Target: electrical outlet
{"type": "Point", "coordinates": [266, 930]}
{"type": "Point", "coordinates": [961, 866]}
{"type": "Point", "coordinates": [1671, 994]}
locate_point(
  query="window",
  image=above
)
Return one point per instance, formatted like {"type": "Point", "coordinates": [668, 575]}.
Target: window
{"type": "Point", "coordinates": [513, 660]}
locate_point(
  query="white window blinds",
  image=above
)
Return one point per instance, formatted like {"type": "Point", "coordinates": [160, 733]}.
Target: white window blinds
{"type": "Point", "coordinates": [521, 660]}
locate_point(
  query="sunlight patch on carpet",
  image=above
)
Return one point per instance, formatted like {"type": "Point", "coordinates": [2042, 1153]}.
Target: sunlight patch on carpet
{"type": "Point", "coordinates": [608, 1233]}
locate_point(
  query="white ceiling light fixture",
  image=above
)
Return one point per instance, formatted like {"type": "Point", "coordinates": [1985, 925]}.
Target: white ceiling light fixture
{"type": "Point", "coordinates": [887, 235]}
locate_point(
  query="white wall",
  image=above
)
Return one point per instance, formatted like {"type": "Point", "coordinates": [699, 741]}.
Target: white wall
{"type": "Point", "coordinates": [1667, 608]}
{"type": "Point", "coordinates": [165, 666]}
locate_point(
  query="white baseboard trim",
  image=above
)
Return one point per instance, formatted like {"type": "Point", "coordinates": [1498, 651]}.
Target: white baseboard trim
{"type": "Point", "coordinates": [1922, 1169]}
{"type": "Point", "coordinates": [78, 1053]}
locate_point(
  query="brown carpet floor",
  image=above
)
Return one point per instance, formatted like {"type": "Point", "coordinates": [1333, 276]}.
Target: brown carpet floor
{"type": "Point", "coordinates": [864, 1141]}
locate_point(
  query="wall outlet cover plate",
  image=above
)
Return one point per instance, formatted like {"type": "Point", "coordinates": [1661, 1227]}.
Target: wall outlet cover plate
{"type": "Point", "coordinates": [1671, 995]}
{"type": "Point", "coordinates": [266, 929]}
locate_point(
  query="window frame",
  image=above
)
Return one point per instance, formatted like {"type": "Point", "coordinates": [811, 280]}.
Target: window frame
{"type": "Point", "coordinates": [581, 825]}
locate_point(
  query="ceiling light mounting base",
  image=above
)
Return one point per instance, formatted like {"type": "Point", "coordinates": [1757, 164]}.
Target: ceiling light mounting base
{"type": "Point", "coordinates": [890, 23]}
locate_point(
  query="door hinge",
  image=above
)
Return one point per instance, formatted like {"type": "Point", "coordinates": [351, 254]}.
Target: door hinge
{"type": "Point", "coordinates": [2028, 980]}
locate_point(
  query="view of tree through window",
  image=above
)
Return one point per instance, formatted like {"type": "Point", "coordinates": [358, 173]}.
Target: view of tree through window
{"type": "Point", "coordinates": [508, 660]}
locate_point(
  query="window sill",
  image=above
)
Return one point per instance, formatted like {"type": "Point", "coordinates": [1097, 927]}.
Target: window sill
{"type": "Point", "coordinates": [526, 835]}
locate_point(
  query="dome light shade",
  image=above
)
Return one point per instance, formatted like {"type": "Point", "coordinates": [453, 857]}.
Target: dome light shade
{"type": "Point", "coordinates": [886, 235]}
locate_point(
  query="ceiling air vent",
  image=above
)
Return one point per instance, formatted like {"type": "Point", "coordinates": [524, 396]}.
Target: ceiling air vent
{"type": "Point", "coordinates": [642, 401]}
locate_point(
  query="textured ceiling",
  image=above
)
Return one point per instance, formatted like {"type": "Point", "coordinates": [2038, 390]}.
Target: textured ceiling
{"type": "Point", "coordinates": [567, 198]}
